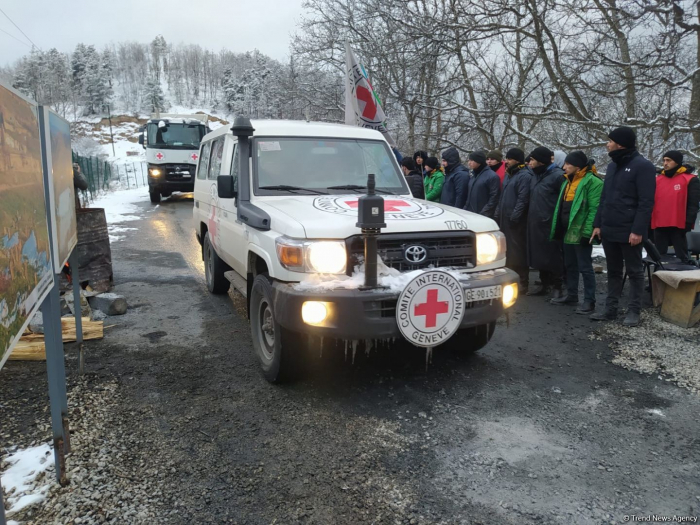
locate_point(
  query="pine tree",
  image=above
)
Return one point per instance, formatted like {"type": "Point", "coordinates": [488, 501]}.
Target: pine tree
{"type": "Point", "coordinates": [153, 99]}
{"type": "Point", "coordinates": [96, 89]}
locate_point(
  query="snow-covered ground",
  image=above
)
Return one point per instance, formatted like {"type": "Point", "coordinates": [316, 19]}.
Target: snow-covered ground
{"type": "Point", "coordinates": [120, 207]}
{"type": "Point", "coordinates": [24, 482]}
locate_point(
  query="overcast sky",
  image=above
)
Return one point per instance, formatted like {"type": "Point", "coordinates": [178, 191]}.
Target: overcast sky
{"type": "Point", "coordinates": [238, 25]}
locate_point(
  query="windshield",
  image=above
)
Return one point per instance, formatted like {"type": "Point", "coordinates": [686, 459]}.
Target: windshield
{"type": "Point", "coordinates": [317, 165]}
{"type": "Point", "coordinates": [175, 135]}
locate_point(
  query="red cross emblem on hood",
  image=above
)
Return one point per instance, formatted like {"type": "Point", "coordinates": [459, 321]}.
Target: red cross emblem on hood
{"type": "Point", "coordinates": [194, 156]}
{"type": "Point", "coordinates": [389, 205]}
{"type": "Point", "coordinates": [159, 156]}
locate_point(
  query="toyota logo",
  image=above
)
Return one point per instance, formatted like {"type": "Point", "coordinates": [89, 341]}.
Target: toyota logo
{"type": "Point", "coordinates": [415, 254]}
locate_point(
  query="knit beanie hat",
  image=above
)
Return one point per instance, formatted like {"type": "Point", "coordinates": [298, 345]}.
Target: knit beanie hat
{"type": "Point", "coordinates": [516, 154]}
{"type": "Point", "coordinates": [478, 157]}
{"type": "Point", "coordinates": [624, 136]}
{"type": "Point", "coordinates": [675, 155]}
{"type": "Point", "coordinates": [542, 154]}
{"type": "Point", "coordinates": [495, 155]}
{"type": "Point", "coordinates": [577, 158]}
{"type": "Point", "coordinates": [431, 162]}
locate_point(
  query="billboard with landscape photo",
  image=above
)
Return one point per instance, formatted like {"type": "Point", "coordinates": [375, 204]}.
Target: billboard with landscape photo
{"type": "Point", "coordinates": [61, 191]}
{"type": "Point", "coordinates": [26, 274]}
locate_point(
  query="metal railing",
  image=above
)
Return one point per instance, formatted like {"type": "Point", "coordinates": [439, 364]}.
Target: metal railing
{"type": "Point", "coordinates": [103, 176]}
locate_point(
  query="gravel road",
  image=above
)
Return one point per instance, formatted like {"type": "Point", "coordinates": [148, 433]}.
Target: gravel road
{"type": "Point", "coordinates": [176, 425]}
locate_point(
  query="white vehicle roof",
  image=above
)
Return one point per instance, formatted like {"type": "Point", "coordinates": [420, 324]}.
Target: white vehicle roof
{"type": "Point", "coordinates": [301, 128]}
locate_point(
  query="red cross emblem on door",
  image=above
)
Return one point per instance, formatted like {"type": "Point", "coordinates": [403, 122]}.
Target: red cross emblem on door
{"type": "Point", "coordinates": [389, 205]}
{"type": "Point", "coordinates": [159, 156]}
{"type": "Point", "coordinates": [194, 157]}
{"type": "Point", "coordinates": [432, 308]}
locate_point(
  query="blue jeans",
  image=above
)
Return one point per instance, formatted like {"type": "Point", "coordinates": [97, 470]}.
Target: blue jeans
{"type": "Point", "coordinates": [578, 259]}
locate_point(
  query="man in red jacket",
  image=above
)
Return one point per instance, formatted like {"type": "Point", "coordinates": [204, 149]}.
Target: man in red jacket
{"type": "Point", "coordinates": [494, 159]}
{"type": "Point", "coordinates": [676, 205]}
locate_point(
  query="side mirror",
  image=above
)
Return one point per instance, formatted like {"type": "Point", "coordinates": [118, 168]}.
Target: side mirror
{"type": "Point", "coordinates": [226, 186]}
{"type": "Point", "coordinates": [141, 139]}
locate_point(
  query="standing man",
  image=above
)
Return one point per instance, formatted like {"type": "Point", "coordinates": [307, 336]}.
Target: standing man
{"type": "Point", "coordinates": [623, 219]}
{"type": "Point", "coordinates": [456, 188]}
{"type": "Point", "coordinates": [434, 180]}
{"type": "Point", "coordinates": [676, 206]}
{"type": "Point", "coordinates": [542, 254]}
{"type": "Point", "coordinates": [494, 159]}
{"type": "Point", "coordinates": [413, 178]}
{"type": "Point", "coordinates": [511, 213]}
{"type": "Point", "coordinates": [484, 186]}
{"type": "Point", "coordinates": [573, 224]}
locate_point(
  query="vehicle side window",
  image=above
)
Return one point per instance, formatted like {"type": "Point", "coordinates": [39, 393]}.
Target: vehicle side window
{"type": "Point", "coordinates": [204, 161]}
{"type": "Point", "coordinates": [234, 167]}
{"type": "Point", "coordinates": [217, 152]}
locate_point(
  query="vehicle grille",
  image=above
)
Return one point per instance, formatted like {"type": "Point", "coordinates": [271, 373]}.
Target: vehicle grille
{"type": "Point", "coordinates": [178, 172]}
{"type": "Point", "coordinates": [444, 249]}
{"type": "Point", "coordinates": [387, 308]}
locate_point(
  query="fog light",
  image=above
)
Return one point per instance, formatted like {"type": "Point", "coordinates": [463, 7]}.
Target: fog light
{"type": "Point", "coordinates": [154, 172]}
{"type": "Point", "coordinates": [314, 312]}
{"type": "Point", "coordinates": [510, 294]}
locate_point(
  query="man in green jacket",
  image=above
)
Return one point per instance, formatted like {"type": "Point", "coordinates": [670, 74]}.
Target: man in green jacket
{"type": "Point", "coordinates": [434, 179]}
{"type": "Point", "coordinates": [573, 223]}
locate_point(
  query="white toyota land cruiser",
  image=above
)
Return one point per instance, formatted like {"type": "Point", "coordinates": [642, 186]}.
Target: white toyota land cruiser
{"type": "Point", "coordinates": [276, 212]}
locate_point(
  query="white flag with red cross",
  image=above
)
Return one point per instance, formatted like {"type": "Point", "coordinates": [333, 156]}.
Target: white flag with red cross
{"type": "Point", "coordinates": [362, 106]}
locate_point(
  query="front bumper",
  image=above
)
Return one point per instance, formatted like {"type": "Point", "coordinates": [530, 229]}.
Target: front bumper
{"type": "Point", "coordinates": [162, 184]}
{"type": "Point", "coordinates": [357, 314]}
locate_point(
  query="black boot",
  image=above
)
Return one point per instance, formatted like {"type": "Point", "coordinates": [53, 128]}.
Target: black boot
{"type": "Point", "coordinates": [631, 319]}
{"type": "Point", "coordinates": [586, 308]}
{"type": "Point", "coordinates": [607, 315]}
{"type": "Point", "coordinates": [564, 300]}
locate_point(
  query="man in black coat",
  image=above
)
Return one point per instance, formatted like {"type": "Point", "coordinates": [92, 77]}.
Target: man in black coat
{"type": "Point", "coordinates": [456, 187]}
{"type": "Point", "coordinates": [484, 186]}
{"type": "Point", "coordinates": [419, 158]}
{"type": "Point", "coordinates": [511, 213]}
{"type": "Point", "coordinates": [542, 254]}
{"type": "Point", "coordinates": [622, 221]}
{"type": "Point", "coordinates": [413, 178]}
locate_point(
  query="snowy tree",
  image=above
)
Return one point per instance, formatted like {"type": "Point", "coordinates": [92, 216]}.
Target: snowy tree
{"type": "Point", "coordinates": [153, 99]}
{"type": "Point", "coordinates": [159, 49]}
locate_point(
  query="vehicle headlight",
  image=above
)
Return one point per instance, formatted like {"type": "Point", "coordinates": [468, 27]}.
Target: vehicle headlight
{"type": "Point", "coordinates": [490, 247]}
{"type": "Point", "coordinates": [155, 172]}
{"type": "Point", "coordinates": [312, 256]}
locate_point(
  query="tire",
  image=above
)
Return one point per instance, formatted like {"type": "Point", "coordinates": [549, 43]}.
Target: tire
{"type": "Point", "coordinates": [155, 196]}
{"type": "Point", "coordinates": [271, 342]}
{"type": "Point", "coordinates": [470, 340]}
{"type": "Point", "coordinates": [214, 268]}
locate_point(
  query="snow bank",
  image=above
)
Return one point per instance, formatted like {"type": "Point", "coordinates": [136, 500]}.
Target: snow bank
{"type": "Point", "coordinates": [23, 481]}
{"type": "Point", "coordinates": [121, 206]}
{"type": "Point", "coordinates": [389, 279]}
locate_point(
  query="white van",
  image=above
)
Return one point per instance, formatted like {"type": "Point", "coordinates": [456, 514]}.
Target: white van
{"type": "Point", "coordinates": [276, 212]}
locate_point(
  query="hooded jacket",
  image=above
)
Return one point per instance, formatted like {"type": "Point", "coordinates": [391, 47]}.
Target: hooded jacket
{"type": "Point", "coordinates": [583, 208]}
{"type": "Point", "coordinates": [456, 187]}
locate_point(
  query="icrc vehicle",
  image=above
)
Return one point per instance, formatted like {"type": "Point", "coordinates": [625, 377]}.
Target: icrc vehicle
{"type": "Point", "coordinates": [276, 212]}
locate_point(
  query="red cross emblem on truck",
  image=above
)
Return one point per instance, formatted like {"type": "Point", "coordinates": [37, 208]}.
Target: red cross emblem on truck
{"type": "Point", "coordinates": [432, 308]}
{"type": "Point", "coordinates": [389, 205]}
{"type": "Point", "coordinates": [159, 156]}
{"type": "Point", "coordinates": [194, 157]}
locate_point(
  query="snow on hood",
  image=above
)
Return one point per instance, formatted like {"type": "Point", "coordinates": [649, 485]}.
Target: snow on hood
{"type": "Point", "coordinates": [335, 216]}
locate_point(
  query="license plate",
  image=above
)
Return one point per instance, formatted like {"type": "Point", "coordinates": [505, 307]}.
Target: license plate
{"type": "Point", "coordinates": [483, 294]}
{"type": "Point", "coordinates": [186, 175]}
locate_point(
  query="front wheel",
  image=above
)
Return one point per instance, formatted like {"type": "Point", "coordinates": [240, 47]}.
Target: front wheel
{"type": "Point", "coordinates": [155, 196]}
{"type": "Point", "coordinates": [214, 268]}
{"type": "Point", "coordinates": [271, 342]}
{"type": "Point", "coordinates": [469, 340]}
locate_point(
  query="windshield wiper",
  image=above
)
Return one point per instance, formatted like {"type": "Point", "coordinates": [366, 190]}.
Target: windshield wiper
{"type": "Point", "coordinates": [357, 187]}
{"type": "Point", "coordinates": [285, 187]}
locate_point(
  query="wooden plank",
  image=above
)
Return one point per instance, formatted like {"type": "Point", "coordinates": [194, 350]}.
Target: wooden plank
{"type": "Point", "coordinates": [31, 346]}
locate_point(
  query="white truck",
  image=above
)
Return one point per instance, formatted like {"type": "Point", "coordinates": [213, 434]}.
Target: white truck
{"type": "Point", "coordinates": [276, 212]}
{"type": "Point", "coordinates": [172, 150]}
